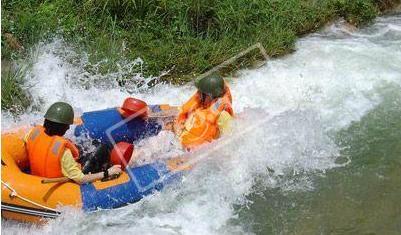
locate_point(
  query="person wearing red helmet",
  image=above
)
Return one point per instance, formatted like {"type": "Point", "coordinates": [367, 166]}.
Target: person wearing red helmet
{"type": "Point", "coordinates": [135, 108]}
{"type": "Point", "coordinates": [121, 154]}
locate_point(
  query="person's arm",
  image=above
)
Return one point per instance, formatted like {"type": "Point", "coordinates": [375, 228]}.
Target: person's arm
{"type": "Point", "coordinates": [224, 122]}
{"type": "Point", "coordinates": [174, 126]}
{"type": "Point", "coordinates": [114, 170]}
{"type": "Point", "coordinates": [71, 170]}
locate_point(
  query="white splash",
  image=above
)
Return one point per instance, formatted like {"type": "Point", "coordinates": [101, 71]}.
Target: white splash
{"type": "Point", "coordinates": [287, 111]}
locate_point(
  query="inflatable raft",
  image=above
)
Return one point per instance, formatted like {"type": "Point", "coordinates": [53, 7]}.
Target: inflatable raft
{"type": "Point", "coordinates": [26, 198]}
{"type": "Point", "coordinates": [108, 126]}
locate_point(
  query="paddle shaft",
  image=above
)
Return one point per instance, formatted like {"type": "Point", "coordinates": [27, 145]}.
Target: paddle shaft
{"type": "Point", "coordinates": [55, 180]}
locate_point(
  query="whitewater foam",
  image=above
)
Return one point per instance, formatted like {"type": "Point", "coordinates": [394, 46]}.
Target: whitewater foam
{"type": "Point", "coordinates": [287, 112]}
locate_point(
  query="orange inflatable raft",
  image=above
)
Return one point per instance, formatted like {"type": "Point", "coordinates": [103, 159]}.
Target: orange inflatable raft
{"type": "Point", "coordinates": [26, 197]}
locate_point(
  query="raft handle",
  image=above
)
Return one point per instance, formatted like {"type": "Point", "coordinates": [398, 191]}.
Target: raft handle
{"type": "Point", "coordinates": [111, 177]}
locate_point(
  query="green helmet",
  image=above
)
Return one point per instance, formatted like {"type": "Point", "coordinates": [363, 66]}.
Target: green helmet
{"type": "Point", "coordinates": [213, 86]}
{"type": "Point", "coordinates": [60, 112]}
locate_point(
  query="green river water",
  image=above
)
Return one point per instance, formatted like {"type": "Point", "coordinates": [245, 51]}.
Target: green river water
{"type": "Point", "coordinates": [361, 198]}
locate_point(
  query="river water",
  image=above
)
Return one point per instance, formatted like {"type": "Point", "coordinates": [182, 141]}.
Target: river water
{"type": "Point", "coordinates": [315, 149]}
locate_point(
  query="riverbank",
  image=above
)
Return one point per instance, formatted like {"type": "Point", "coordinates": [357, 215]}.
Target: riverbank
{"type": "Point", "coordinates": [176, 40]}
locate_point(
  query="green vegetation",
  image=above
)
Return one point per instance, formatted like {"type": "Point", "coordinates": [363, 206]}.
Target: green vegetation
{"type": "Point", "coordinates": [13, 97]}
{"type": "Point", "coordinates": [185, 38]}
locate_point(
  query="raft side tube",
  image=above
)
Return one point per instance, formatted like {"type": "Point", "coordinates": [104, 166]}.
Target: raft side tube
{"type": "Point", "coordinates": [23, 196]}
{"type": "Point", "coordinates": [96, 125]}
{"type": "Point", "coordinates": [143, 180]}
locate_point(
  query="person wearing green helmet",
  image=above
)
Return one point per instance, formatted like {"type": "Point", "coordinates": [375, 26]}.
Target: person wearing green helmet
{"type": "Point", "coordinates": [60, 112]}
{"type": "Point", "coordinates": [206, 115]}
{"type": "Point", "coordinates": [212, 86]}
{"type": "Point", "coordinates": [52, 156]}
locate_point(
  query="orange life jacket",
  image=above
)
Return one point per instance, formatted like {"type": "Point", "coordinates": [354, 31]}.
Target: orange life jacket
{"type": "Point", "coordinates": [45, 152]}
{"type": "Point", "coordinates": [199, 123]}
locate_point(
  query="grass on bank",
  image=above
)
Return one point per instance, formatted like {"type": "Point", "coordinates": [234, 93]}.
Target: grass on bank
{"type": "Point", "coordinates": [185, 37]}
{"type": "Point", "coordinates": [13, 97]}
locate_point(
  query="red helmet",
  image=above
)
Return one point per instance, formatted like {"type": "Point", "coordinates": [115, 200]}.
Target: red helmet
{"type": "Point", "coordinates": [121, 154]}
{"type": "Point", "coordinates": [133, 106]}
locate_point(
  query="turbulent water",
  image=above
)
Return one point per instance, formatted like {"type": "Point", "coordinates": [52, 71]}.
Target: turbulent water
{"type": "Point", "coordinates": [315, 149]}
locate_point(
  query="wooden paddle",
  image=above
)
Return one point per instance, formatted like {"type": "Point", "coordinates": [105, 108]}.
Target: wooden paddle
{"type": "Point", "coordinates": [167, 117]}
{"type": "Point", "coordinates": [55, 180]}
{"type": "Point", "coordinates": [164, 113]}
